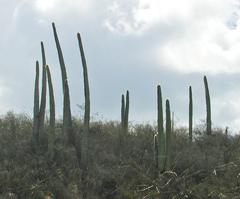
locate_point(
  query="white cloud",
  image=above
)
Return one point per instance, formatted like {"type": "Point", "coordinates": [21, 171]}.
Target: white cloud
{"type": "Point", "coordinates": [45, 5]}
{"type": "Point", "coordinates": [206, 37]}
{"type": "Point", "coordinates": [61, 7]}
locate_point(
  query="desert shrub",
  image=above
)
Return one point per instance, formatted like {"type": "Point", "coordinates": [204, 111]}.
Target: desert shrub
{"type": "Point", "coordinates": [207, 168]}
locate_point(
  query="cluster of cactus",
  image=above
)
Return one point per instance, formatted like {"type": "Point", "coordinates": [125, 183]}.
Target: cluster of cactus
{"type": "Point", "coordinates": [125, 113]}
{"type": "Point", "coordinates": [124, 120]}
{"type": "Point", "coordinates": [39, 112]}
{"type": "Point", "coordinates": [162, 141]}
{"type": "Point", "coordinates": [208, 111]}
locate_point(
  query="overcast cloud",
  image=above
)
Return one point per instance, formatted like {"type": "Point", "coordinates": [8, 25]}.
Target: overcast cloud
{"type": "Point", "coordinates": [129, 44]}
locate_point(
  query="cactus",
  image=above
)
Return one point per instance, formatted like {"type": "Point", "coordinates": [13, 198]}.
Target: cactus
{"type": "Point", "coordinates": [43, 94]}
{"type": "Point", "coordinates": [121, 133]}
{"type": "Point", "coordinates": [51, 99]}
{"type": "Point", "coordinates": [36, 107]}
{"type": "Point", "coordinates": [208, 107]}
{"type": "Point", "coordinates": [87, 102]}
{"type": "Point", "coordinates": [67, 121]}
{"type": "Point", "coordinates": [172, 127]}
{"type": "Point", "coordinates": [122, 111]}
{"type": "Point", "coordinates": [190, 114]}
{"type": "Point", "coordinates": [60, 56]}
{"type": "Point", "coordinates": [67, 118]}
{"type": "Point", "coordinates": [168, 135]}
{"type": "Point", "coordinates": [85, 137]}
{"type": "Point", "coordinates": [126, 113]}
{"type": "Point", "coordinates": [155, 150]}
{"type": "Point", "coordinates": [161, 137]}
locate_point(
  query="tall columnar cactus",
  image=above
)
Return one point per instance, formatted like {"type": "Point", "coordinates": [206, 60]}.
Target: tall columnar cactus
{"type": "Point", "coordinates": [161, 136]}
{"type": "Point", "coordinates": [122, 111]}
{"type": "Point", "coordinates": [36, 108]}
{"type": "Point", "coordinates": [43, 94]}
{"type": "Point", "coordinates": [85, 136]}
{"type": "Point", "coordinates": [51, 99]}
{"type": "Point", "coordinates": [126, 113]}
{"type": "Point", "coordinates": [208, 107]}
{"type": "Point", "coordinates": [67, 118]}
{"type": "Point", "coordinates": [60, 56]}
{"type": "Point", "coordinates": [168, 135]}
{"type": "Point", "coordinates": [67, 121]}
{"type": "Point", "coordinates": [172, 123]}
{"type": "Point", "coordinates": [87, 101]}
{"type": "Point", "coordinates": [190, 119]}
{"type": "Point", "coordinates": [155, 151]}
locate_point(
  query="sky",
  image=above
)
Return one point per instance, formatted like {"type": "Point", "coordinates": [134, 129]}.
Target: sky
{"type": "Point", "coordinates": [129, 45]}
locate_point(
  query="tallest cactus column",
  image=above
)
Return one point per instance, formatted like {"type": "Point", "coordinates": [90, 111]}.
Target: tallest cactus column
{"type": "Point", "coordinates": [208, 107]}
{"type": "Point", "coordinates": [67, 118]}
{"type": "Point", "coordinates": [85, 136]}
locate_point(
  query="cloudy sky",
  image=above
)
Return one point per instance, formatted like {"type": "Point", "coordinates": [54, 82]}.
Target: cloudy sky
{"type": "Point", "coordinates": [129, 44]}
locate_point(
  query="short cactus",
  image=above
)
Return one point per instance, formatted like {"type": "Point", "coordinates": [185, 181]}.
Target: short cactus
{"type": "Point", "coordinates": [208, 108]}
{"type": "Point", "coordinates": [126, 113]}
{"type": "Point", "coordinates": [168, 135]}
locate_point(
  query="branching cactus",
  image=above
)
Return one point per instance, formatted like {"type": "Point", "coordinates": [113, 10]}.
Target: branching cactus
{"type": "Point", "coordinates": [168, 135]}
{"type": "Point", "coordinates": [160, 137]}
{"type": "Point", "coordinates": [51, 99]}
{"type": "Point", "coordinates": [190, 120]}
{"type": "Point", "coordinates": [208, 107]}
{"type": "Point", "coordinates": [67, 117]}
{"type": "Point", "coordinates": [36, 108]}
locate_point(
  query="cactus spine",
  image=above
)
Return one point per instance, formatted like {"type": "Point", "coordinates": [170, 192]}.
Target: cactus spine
{"type": "Point", "coordinates": [190, 114]}
{"type": "Point", "coordinates": [36, 107]}
{"type": "Point", "coordinates": [168, 135]}
{"type": "Point", "coordinates": [43, 94]}
{"type": "Point", "coordinates": [67, 118]}
{"type": "Point", "coordinates": [208, 107]}
{"type": "Point", "coordinates": [51, 99]}
{"type": "Point", "coordinates": [160, 137]}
